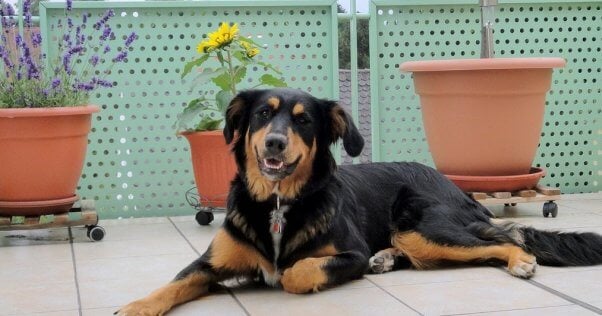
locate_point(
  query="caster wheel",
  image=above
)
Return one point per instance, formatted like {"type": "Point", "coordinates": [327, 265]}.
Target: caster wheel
{"type": "Point", "coordinates": [204, 218]}
{"type": "Point", "coordinates": [96, 233]}
{"type": "Point", "coordinates": [550, 208]}
{"type": "Point", "coordinates": [512, 204]}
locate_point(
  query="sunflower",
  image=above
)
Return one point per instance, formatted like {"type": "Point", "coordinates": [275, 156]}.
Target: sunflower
{"type": "Point", "coordinates": [224, 35]}
{"type": "Point", "coordinates": [251, 50]}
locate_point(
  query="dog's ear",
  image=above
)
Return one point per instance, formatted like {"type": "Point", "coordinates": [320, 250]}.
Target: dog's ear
{"type": "Point", "coordinates": [342, 126]}
{"type": "Point", "coordinates": [237, 112]}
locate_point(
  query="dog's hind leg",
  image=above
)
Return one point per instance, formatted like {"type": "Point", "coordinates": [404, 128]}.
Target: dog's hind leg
{"type": "Point", "coordinates": [425, 254]}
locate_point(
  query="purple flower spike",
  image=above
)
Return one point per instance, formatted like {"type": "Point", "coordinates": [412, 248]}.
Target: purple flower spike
{"type": "Point", "coordinates": [69, 5]}
{"type": "Point", "coordinates": [27, 12]}
{"type": "Point", "coordinates": [120, 57]}
{"type": "Point", "coordinates": [56, 82]}
{"type": "Point", "coordinates": [130, 39]}
{"type": "Point", "coordinates": [94, 60]}
{"type": "Point", "coordinates": [70, 22]}
{"type": "Point", "coordinates": [36, 39]}
{"type": "Point", "coordinates": [106, 33]}
{"type": "Point", "coordinates": [107, 49]}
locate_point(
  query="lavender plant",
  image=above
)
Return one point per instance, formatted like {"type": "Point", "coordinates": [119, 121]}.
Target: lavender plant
{"type": "Point", "coordinates": [29, 80]}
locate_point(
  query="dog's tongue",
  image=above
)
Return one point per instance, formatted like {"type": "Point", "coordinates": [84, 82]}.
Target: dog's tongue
{"type": "Point", "coordinates": [273, 163]}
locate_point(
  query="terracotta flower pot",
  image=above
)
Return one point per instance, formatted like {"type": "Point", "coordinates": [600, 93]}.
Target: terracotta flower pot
{"type": "Point", "coordinates": [213, 165]}
{"type": "Point", "coordinates": [483, 117]}
{"type": "Point", "coordinates": [42, 157]}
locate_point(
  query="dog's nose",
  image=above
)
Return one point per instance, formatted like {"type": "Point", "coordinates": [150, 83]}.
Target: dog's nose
{"type": "Point", "coordinates": [275, 143]}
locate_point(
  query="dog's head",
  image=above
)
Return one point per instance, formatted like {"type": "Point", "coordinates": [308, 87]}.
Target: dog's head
{"type": "Point", "coordinates": [282, 139]}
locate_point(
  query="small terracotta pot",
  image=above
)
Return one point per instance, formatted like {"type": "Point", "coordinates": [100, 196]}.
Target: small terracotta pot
{"type": "Point", "coordinates": [213, 165]}
{"type": "Point", "coordinates": [483, 117]}
{"type": "Point", "coordinates": [42, 156]}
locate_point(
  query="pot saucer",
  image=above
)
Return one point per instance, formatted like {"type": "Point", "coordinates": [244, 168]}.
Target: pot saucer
{"type": "Point", "coordinates": [498, 183]}
{"type": "Point", "coordinates": [36, 208]}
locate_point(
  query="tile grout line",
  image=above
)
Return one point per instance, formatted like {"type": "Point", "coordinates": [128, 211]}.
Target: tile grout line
{"type": "Point", "coordinates": [199, 254]}
{"type": "Point", "coordinates": [393, 296]}
{"type": "Point", "coordinates": [566, 297]}
{"type": "Point", "coordinates": [562, 295]}
{"type": "Point", "coordinates": [509, 310]}
{"type": "Point", "coordinates": [79, 301]}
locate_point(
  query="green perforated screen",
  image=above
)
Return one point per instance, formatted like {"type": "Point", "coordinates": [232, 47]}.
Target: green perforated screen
{"type": "Point", "coordinates": [136, 166]}
{"type": "Point", "coordinates": [412, 30]}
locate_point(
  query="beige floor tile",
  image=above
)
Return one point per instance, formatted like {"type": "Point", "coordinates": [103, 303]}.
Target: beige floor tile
{"type": "Point", "coordinates": [133, 268]}
{"type": "Point", "coordinates": [531, 210]}
{"type": "Point", "coordinates": [592, 205]}
{"type": "Point", "coordinates": [582, 285]}
{"type": "Point", "coordinates": [36, 272]}
{"type": "Point", "coordinates": [461, 297]}
{"type": "Point", "coordinates": [563, 221]}
{"type": "Point", "coordinates": [55, 313]}
{"type": "Point", "coordinates": [131, 248]}
{"type": "Point", "coordinates": [102, 294]}
{"type": "Point", "coordinates": [543, 270]}
{"type": "Point", "coordinates": [366, 301]}
{"type": "Point", "coordinates": [216, 304]}
{"type": "Point", "coordinates": [199, 236]}
{"type": "Point", "coordinates": [38, 298]}
{"type": "Point", "coordinates": [583, 196]}
{"type": "Point", "coordinates": [572, 310]}
{"type": "Point", "coordinates": [133, 221]}
{"type": "Point", "coordinates": [12, 256]}
{"type": "Point", "coordinates": [406, 277]}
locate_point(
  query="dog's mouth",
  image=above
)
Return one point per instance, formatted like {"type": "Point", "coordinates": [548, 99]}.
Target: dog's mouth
{"type": "Point", "coordinates": [276, 168]}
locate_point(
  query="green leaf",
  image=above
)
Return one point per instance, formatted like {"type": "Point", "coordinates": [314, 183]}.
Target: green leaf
{"type": "Point", "coordinates": [195, 63]}
{"type": "Point", "coordinates": [269, 66]}
{"type": "Point", "coordinates": [208, 124]}
{"type": "Point", "coordinates": [239, 74]}
{"type": "Point", "coordinates": [190, 112]}
{"type": "Point", "coordinates": [270, 80]}
{"type": "Point", "coordinates": [223, 99]}
{"type": "Point", "coordinates": [207, 75]}
{"type": "Point", "coordinates": [222, 81]}
{"type": "Point", "coordinates": [248, 40]}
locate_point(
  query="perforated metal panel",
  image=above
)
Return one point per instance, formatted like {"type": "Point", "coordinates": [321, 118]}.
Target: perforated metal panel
{"type": "Point", "coordinates": [417, 30]}
{"type": "Point", "coordinates": [136, 166]}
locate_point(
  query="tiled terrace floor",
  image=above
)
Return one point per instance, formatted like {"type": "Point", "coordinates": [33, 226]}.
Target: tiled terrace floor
{"type": "Point", "coordinates": [43, 273]}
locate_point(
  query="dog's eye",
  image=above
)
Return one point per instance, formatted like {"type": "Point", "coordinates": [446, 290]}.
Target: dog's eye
{"type": "Point", "coordinates": [302, 120]}
{"type": "Point", "coordinates": [265, 114]}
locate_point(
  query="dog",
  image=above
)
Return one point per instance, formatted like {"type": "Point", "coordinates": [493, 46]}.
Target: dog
{"type": "Point", "coordinates": [297, 220]}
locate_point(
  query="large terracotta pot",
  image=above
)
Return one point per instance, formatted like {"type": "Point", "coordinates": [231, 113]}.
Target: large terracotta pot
{"type": "Point", "coordinates": [213, 165]}
{"type": "Point", "coordinates": [483, 117]}
{"type": "Point", "coordinates": [41, 158]}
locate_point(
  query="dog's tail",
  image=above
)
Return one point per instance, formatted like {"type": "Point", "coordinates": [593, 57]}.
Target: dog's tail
{"type": "Point", "coordinates": [551, 248]}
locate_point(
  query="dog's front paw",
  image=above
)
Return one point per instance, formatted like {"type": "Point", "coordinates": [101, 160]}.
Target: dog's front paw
{"type": "Point", "coordinates": [142, 307]}
{"type": "Point", "coordinates": [382, 262]}
{"type": "Point", "coordinates": [304, 276]}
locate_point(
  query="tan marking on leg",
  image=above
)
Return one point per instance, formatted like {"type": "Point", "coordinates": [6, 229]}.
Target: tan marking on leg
{"type": "Point", "coordinates": [328, 250]}
{"type": "Point", "coordinates": [425, 254]}
{"type": "Point", "coordinates": [228, 253]}
{"type": "Point", "coordinates": [274, 103]}
{"type": "Point", "coordinates": [299, 108]}
{"type": "Point", "coordinates": [305, 275]}
{"type": "Point", "coordinates": [165, 298]}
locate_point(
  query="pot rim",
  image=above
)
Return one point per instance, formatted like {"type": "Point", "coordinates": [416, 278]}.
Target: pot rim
{"type": "Point", "coordinates": [533, 173]}
{"type": "Point", "coordinates": [50, 111]}
{"type": "Point", "coordinates": [482, 64]}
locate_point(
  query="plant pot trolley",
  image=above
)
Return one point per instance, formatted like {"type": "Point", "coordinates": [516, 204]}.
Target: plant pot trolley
{"type": "Point", "coordinates": [81, 213]}
{"type": "Point", "coordinates": [538, 194]}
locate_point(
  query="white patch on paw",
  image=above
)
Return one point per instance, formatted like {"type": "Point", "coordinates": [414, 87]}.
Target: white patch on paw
{"type": "Point", "coordinates": [524, 269]}
{"type": "Point", "coordinates": [381, 262]}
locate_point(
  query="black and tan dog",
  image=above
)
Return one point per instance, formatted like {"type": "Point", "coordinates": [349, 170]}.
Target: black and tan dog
{"type": "Point", "coordinates": [296, 220]}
